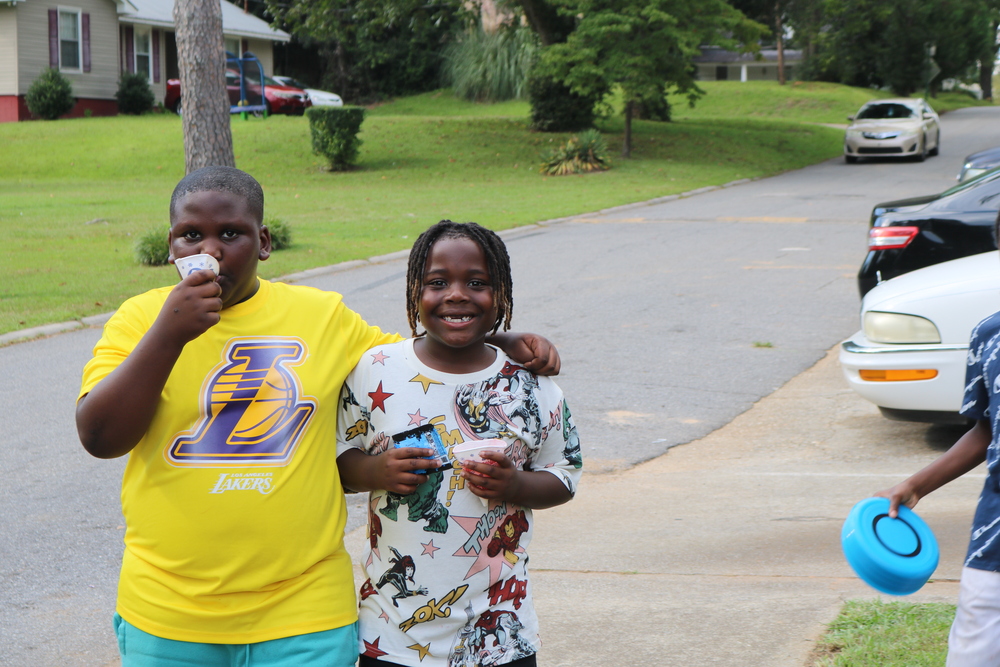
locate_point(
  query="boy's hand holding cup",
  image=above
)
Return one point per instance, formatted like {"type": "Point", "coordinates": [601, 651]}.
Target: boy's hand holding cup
{"type": "Point", "coordinates": [486, 468]}
{"type": "Point", "coordinates": [194, 304]}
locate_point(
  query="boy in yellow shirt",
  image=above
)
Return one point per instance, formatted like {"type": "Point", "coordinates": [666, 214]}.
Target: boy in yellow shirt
{"type": "Point", "coordinates": [224, 391]}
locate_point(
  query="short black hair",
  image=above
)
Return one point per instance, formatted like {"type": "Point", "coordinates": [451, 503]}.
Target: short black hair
{"type": "Point", "coordinates": [497, 263]}
{"type": "Point", "coordinates": [221, 179]}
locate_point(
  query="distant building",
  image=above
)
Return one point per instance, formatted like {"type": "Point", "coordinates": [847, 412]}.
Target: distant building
{"type": "Point", "coordinates": [93, 42]}
{"type": "Point", "coordinates": [717, 64]}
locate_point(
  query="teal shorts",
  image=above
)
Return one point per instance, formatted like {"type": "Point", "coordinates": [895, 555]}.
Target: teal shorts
{"type": "Point", "coordinates": [330, 648]}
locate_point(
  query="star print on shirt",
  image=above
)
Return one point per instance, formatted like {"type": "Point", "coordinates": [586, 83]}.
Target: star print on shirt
{"type": "Point", "coordinates": [371, 648]}
{"type": "Point", "coordinates": [422, 651]}
{"type": "Point", "coordinates": [378, 398]}
{"type": "Point", "coordinates": [379, 358]}
{"type": "Point", "coordinates": [425, 381]}
{"type": "Point", "coordinates": [429, 548]}
{"type": "Point", "coordinates": [416, 419]}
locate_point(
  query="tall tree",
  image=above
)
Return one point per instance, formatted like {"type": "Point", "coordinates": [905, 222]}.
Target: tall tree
{"type": "Point", "coordinates": [771, 13]}
{"type": "Point", "coordinates": [201, 59]}
{"type": "Point", "coordinates": [885, 42]}
{"type": "Point", "coordinates": [374, 48]}
{"type": "Point", "coordinates": [642, 47]}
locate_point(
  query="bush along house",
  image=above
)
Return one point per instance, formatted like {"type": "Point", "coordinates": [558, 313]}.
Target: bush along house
{"type": "Point", "coordinates": [91, 42]}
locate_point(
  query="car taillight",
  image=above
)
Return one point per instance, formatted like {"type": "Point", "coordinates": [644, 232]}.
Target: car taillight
{"type": "Point", "coordinates": [887, 238]}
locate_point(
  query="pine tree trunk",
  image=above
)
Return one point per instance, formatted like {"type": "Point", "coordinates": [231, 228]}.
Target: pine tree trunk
{"type": "Point", "coordinates": [627, 144]}
{"type": "Point", "coordinates": [986, 79]}
{"type": "Point", "coordinates": [201, 59]}
{"type": "Point", "coordinates": [781, 42]}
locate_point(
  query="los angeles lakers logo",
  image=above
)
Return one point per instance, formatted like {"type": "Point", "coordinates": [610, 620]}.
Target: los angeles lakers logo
{"type": "Point", "coordinates": [253, 411]}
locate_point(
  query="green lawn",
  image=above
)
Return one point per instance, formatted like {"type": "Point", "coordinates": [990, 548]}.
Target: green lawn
{"type": "Point", "coordinates": [74, 194]}
{"type": "Point", "coordinates": [871, 633]}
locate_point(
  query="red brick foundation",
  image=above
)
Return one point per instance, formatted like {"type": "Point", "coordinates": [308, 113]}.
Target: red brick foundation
{"type": "Point", "coordinates": [13, 108]}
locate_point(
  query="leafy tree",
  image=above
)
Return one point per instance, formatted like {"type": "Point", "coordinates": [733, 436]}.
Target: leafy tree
{"type": "Point", "coordinates": [641, 47]}
{"type": "Point", "coordinates": [374, 48]}
{"type": "Point", "coordinates": [884, 43]}
{"type": "Point", "coordinates": [771, 13]}
{"type": "Point", "coordinates": [201, 59]}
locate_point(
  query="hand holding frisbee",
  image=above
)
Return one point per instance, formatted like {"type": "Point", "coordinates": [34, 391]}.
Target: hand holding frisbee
{"type": "Point", "coordinates": [895, 556]}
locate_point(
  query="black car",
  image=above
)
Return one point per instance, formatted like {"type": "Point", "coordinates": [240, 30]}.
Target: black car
{"type": "Point", "coordinates": [910, 234]}
{"type": "Point", "coordinates": [978, 163]}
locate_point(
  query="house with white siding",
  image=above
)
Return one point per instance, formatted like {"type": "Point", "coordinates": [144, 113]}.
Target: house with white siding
{"type": "Point", "coordinates": [93, 41]}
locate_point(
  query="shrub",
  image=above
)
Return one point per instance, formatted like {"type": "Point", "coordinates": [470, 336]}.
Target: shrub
{"type": "Point", "coordinates": [491, 67]}
{"type": "Point", "coordinates": [555, 108]}
{"type": "Point", "coordinates": [134, 94]}
{"type": "Point", "coordinates": [50, 95]}
{"type": "Point", "coordinates": [281, 233]}
{"type": "Point", "coordinates": [584, 153]}
{"type": "Point", "coordinates": [335, 134]}
{"type": "Point", "coordinates": [152, 247]}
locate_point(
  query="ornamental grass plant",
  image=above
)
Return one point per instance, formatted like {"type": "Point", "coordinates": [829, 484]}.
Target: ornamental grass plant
{"type": "Point", "coordinates": [584, 153]}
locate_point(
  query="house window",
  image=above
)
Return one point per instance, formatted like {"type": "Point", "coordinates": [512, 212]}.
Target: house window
{"type": "Point", "coordinates": [721, 72]}
{"type": "Point", "coordinates": [143, 57]}
{"type": "Point", "coordinates": [69, 39]}
{"type": "Point", "coordinates": [233, 46]}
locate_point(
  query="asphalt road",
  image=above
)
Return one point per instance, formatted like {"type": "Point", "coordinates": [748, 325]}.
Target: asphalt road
{"type": "Point", "coordinates": [672, 319]}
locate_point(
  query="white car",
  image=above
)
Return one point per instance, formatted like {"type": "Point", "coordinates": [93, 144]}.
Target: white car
{"type": "Point", "coordinates": [901, 127]}
{"type": "Point", "coordinates": [320, 98]}
{"type": "Point", "coordinates": [909, 358]}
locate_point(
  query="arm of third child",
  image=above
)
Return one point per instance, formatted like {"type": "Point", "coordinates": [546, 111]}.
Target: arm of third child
{"type": "Point", "coordinates": [392, 470]}
{"type": "Point", "coordinates": [527, 488]}
{"type": "Point", "coordinates": [964, 455]}
{"type": "Point", "coordinates": [114, 416]}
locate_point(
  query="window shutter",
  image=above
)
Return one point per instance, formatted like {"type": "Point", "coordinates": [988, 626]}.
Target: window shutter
{"type": "Point", "coordinates": [85, 38]}
{"type": "Point", "coordinates": [53, 38]}
{"type": "Point", "coordinates": [129, 50]}
{"type": "Point", "coordinates": [246, 46]}
{"type": "Point", "coordinates": [156, 56]}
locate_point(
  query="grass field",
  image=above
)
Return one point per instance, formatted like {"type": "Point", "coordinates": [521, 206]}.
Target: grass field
{"type": "Point", "coordinates": [75, 194]}
{"type": "Point", "coordinates": [871, 633]}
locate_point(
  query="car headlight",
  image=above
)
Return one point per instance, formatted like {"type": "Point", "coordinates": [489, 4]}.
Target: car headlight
{"type": "Point", "coordinates": [883, 327]}
{"type": "Point", "coordinates": [880, 135]}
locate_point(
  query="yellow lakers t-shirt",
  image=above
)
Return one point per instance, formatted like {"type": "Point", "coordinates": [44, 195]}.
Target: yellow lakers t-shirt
{"type": "Point", "coordinates": [233, 505]}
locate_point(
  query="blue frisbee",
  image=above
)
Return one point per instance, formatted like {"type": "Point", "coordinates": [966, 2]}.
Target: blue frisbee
{"type": "Point", "coordinates": [895, 556]}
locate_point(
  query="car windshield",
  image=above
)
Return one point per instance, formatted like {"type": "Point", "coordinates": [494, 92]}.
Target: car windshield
{"type": "Point", "coordinates": [885, 112]}
{"type": "Point", "coordinates": [295, 83]}
{"type": "Point", "coordinates": [990, 175]}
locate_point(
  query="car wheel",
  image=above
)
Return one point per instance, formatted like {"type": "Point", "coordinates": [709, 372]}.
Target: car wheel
{"type": "Point", "coordinates": [922, 155]}
{"type": "Point", "coordinates": [850, 159]}
{"type": "Point", "coordinates": [937, 145]}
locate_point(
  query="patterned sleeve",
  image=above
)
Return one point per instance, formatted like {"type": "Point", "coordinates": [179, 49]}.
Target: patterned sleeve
{"type": "Point", "coordinates": [976, 401]}
{"type": "Point", "coordinates": [353, 424]}
{"type": "Point", "coordinates": [559, 453]}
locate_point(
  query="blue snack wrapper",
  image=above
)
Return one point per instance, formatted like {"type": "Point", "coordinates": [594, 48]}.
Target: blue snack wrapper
{"type": "Point", "coordinates": [424, 436]}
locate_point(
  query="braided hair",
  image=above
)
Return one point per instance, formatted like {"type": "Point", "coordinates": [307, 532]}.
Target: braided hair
{"type": "Point", "coordinates": [497, 263]}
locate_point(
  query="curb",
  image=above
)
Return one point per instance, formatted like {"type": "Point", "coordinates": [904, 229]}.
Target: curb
{"type": "Point", "coordinates": [33, 333]}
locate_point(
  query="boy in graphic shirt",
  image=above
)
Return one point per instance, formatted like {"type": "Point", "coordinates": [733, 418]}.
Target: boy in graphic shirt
{"type": "Point", "coordinates": [447, 582]}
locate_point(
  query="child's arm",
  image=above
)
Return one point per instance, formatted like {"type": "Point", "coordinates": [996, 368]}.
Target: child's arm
{"type": "Point", "coordinates": [534, 352]}
{"type": "Point", "coordinates": [527, 488]}
{"type": "Point", "coordinates": [392, 470]}
{"type": "Point", "coordinates": [115, 415]}
{"type": "Point", "coordinates": [964, 455]}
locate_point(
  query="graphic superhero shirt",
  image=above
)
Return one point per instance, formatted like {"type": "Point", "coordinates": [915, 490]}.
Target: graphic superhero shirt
{"type": "Point", "coordinates": [982, 401]}
{"type": "Point", "coordinates": [447, 581]}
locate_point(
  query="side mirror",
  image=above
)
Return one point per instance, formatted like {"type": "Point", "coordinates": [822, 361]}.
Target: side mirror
{"type": "Point", "coordinates": [850, 118]}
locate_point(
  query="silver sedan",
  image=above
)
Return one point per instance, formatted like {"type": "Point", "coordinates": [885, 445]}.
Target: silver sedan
{"type": "Point", "coordinates": [893, 128]}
